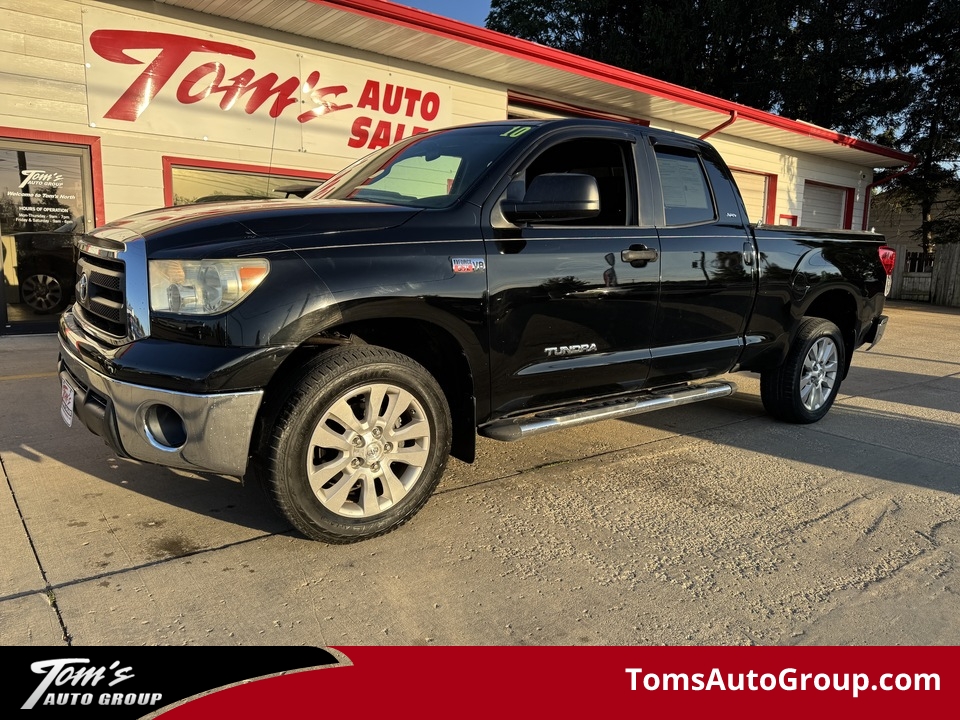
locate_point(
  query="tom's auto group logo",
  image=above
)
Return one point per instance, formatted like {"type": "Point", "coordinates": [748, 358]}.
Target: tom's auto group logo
{"type": "Point", "coordinates": [75, 681]}
{"type": "Point", "coordinates": [124, 683]}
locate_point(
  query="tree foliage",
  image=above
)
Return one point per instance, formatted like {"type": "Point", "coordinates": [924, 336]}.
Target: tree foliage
{"type": "Point", "coordinates": [707, 45]}
{"type": "Point", "coordinates": [928, 123]}
{"type": "Point", "coordinates": [884, 71]}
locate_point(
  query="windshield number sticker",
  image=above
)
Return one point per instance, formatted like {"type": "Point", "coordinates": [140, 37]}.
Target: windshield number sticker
{"type": "Point", "coordinates": [516, 131]}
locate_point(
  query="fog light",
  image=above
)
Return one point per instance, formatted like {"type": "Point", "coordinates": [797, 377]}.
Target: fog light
{"type": "Point", "coordinates": [164, 427]}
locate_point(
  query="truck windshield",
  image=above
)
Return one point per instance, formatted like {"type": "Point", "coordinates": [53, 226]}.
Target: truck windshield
{"type": "Point", "coordinates": [432, 170]}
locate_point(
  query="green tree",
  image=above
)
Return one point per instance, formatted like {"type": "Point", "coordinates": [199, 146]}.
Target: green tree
{"type": "Point", "coordinates": [713, 46]}
{"type": "Point", "coordinates": [929, 125]}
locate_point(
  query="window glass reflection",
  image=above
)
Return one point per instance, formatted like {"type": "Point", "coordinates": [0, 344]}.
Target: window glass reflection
{"type": "Point", "coordinates": [42, 208]}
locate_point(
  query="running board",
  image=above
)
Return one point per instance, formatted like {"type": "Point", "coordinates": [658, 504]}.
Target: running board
{"type": "Point", "coordinates": [526, 426]}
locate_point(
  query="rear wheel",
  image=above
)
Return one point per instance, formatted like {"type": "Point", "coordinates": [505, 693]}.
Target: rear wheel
{"type": "Point", "coordinates": [359, 445]}
{"type": "Point", "coordinates": [803, 388]}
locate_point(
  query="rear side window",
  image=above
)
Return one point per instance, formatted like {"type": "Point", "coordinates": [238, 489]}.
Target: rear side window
{"type": "Point", "coordinates": [686, 195]}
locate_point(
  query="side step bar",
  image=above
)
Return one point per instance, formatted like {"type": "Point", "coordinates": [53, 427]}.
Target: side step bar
{"type": "Point", "coordinates": [526, 426]}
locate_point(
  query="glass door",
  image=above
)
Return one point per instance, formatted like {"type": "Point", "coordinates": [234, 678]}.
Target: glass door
{"type": "Point", "coordinates": [46, 200]}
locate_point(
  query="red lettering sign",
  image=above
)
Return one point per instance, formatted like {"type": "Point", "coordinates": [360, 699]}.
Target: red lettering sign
{"type": "Point", "coordinates": [396, 97]}
{"type": "Point", "coordinates": [383, 134]}
{"type": "Point", "coordinates": [113, 45]}
{"type": "Point", "coordinates": [210, 79]}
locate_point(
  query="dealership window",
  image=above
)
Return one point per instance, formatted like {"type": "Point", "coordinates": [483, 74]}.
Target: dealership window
{"type": "Point", "coordinates": [189, 181]}
{"type": "Point", "coordinates": [46, 200]}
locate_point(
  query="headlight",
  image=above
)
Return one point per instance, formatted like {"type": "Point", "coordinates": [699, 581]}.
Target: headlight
{"type": "Point", "coordinates": [203, 287]}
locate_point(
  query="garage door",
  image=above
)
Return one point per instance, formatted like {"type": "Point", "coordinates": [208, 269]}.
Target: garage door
{"type": "Point", "coordinates": [822, 206]}
{"type": "Point", "coordinates": [753, 188]}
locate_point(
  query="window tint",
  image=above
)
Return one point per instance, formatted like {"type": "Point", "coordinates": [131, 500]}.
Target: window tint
{"type": "Point", "coordinates": [686, 195]}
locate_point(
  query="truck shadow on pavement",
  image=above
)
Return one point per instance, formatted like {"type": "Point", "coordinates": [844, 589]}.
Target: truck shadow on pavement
{"type": "Point", "coordinates": [922, 392]}
{"type": "Point", "coordinates": [904, 432]}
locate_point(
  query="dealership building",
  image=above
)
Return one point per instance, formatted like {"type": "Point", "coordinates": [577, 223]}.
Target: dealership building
{"type": "Point", "coordinates": [111, 108]}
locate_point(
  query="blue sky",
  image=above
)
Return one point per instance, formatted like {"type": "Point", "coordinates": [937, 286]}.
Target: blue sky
{"type": "Point", "coordinates": [470, 11]}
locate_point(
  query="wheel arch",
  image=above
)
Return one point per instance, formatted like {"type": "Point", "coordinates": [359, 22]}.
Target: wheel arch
{"type": "Point", "coordinates": [839, 306]}
{"type": "Point", "coordinates": [426, 342]}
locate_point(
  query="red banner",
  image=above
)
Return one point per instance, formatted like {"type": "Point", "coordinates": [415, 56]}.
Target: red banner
{"type": "Point", "coordinates": [435, 682]}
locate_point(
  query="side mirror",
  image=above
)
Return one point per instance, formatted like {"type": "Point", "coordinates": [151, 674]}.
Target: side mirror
{"type": "Point", "coordinates": [553, 197]}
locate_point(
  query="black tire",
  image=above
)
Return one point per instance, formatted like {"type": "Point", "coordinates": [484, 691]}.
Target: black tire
{"type": "Point", "coordinates": [45, 293]}
{"type": "Point", "coordinates": [372, 463]}
{"type": "Point", "coordinates": [803, 388]}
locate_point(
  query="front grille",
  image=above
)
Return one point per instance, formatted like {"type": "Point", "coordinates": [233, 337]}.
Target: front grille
{"type": "Point", "coordinates": [100, 295]}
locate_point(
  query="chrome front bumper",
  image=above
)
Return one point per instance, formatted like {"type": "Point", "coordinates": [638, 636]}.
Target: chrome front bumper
{"type": "Point", "coordinates": [196, 432]}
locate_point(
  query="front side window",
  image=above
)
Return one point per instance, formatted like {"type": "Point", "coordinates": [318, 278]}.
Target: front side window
{"type": "Point", "coordinates": [608, 162]}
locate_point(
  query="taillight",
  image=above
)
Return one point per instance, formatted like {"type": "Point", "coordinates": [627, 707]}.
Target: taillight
{"type": "Point", "coordinates": [888, 258]}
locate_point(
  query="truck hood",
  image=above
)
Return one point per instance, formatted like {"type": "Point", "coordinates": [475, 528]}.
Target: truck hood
{"type": "Point", "coordinates": [207, 223]}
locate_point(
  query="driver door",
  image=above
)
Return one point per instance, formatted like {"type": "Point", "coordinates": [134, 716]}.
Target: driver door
{"type": "Point", "coordinates": [569, 315]}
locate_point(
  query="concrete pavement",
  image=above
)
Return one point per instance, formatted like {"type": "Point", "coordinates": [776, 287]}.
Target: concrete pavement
{"type": "Point", "coordinates": [704, 524]}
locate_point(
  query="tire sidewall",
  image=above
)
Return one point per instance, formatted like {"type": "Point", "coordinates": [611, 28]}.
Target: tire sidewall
{"type": "Point", "coordinates": [302, 415]}
{"type": "Point", "coordinates": [816, 331]}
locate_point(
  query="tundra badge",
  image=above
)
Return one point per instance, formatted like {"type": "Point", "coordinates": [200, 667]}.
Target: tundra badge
{"type": "Point", "coordinates": [570, 349]}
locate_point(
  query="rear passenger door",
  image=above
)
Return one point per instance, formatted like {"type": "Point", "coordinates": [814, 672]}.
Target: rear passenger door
{"type": "Point", "coordinates": [707, 287]}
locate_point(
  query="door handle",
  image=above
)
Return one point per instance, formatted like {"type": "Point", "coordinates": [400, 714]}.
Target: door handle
{"type": "Point", "coordinates": [639, 255]}
{"type": "Point", "coordinates": [748, 253]}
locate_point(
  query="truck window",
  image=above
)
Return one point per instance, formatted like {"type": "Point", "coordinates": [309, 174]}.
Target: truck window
{"type": "Point", "coordinates": [431, 170]}
{"type": "Point", "coordinates": [605, 160]}
{"type": "Point", "coordinates": [414, 177]}
{"type": "Point", "coordinates": [686, 194]}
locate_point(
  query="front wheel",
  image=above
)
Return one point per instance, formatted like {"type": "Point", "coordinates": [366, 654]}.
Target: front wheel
{"type": "Point", "coordinates": [359, 445]}
{"type": "Point", "coordinates": [803, 388]}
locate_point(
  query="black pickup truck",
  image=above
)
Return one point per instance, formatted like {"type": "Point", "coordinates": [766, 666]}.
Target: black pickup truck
{"type": "Point", "coordinates": [505, 278]}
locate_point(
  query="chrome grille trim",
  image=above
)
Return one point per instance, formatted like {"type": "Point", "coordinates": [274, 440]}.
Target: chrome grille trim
{"type": "Point", "coordinates": [114, 303]}
{"type": "Point", "coordinates": [99, 296]}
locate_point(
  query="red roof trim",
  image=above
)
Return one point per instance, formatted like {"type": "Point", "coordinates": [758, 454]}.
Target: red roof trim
{"type": "Point", "coordinates": [526, 50]}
